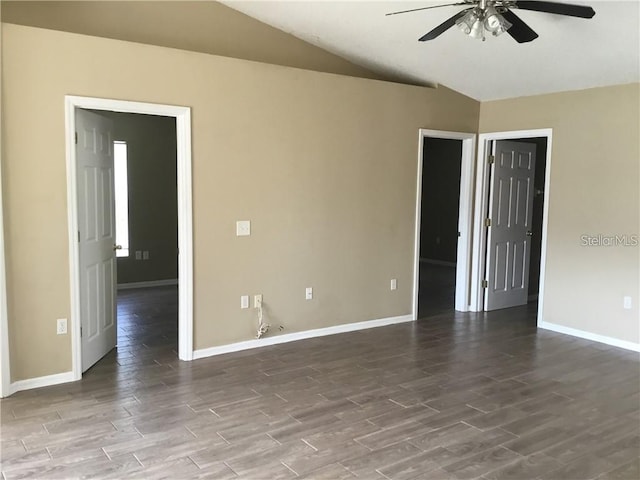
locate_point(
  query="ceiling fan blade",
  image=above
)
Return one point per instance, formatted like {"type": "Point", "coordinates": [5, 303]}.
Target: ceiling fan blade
{"type": "Point", "coordinates": [519, 31]}
{"type": "Point", "coordinates": [557, 8]}
{"type": "Point", "coordinates": [443, 27]}
{"type": "Point", "coordinates": [427, 8]}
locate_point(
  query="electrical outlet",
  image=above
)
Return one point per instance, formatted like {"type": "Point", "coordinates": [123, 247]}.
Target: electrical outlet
{"type": "Point", "coordinates": [138, 254]}
{"type": "Point", "coordinates": [145, 255]}
{"type": "Point", "coordinates": [626, 303]}
{"type": "Point", "coordinates": [308, 295]}
{"type": "Point", "coordinates": [394, 284]}
{"type": "Point", "coordinates": [244, 301]}
{"type": "Point", "coordinates": [61, 326]}
{"type": "Point", "coordinates": [257, 301]}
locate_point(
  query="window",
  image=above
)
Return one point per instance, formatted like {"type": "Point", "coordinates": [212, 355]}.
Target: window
{"type": "Point", "coordinates": [122, 197]}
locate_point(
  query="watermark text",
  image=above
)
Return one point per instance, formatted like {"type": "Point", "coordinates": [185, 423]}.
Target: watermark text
{"type": "Point", "coordinates": [600, 240]}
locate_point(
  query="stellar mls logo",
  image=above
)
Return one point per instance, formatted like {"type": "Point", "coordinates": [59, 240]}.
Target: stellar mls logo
{"type": "Point", "coordinates": [599, 240]}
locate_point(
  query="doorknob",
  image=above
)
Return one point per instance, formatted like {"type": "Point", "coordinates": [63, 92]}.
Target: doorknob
{"type": "Point", "coordinates": [117, 247]}
{"type": "Point", "coordinates": [529, 233]}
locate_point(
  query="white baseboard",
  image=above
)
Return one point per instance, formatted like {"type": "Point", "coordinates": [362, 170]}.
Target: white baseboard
{"type": "Point", "coordinates": [635, 347]}
{"type": "Point", "coordinates": [442, 263]}
{"type": "Point", "coordinates": [39, 382]}
{"type": "Point", "coordinates": [292, 337]}
{"type": "Point", "coordinates": [148, 284]}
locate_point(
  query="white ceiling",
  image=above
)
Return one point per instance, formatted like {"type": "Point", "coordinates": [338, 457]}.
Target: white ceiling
{"type": "Point", "coordinates": [570, 54]}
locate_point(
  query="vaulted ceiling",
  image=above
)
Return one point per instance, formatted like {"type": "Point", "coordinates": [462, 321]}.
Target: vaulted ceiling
{"type": "Point", "coordinates": [570, 53]}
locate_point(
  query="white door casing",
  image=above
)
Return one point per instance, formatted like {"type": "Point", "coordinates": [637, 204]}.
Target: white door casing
{"type": "Point", "coordinates": [96, 235]}
{"type": "Point", "coordinates": [509, 233]}
{"type": "Point", "coordinates": [185, 219]}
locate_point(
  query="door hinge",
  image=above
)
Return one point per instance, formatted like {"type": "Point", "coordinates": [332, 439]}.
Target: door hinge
{"type": "Point", "coordinates": [78, 236]}
{"type": "Point", "coordinates": [491, 159]}
{"type": "Point", "coordinates": [487, 222]}
{"type": "Point", "coordinates": [80, 330]}
{"type": "Point", "coordinates": [485, 284]}
{"type": "Point", "coordinates": [76, 138]}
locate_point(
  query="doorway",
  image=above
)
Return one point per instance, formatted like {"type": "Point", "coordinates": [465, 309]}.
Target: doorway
{"type": "Point", "coordinates": [536, 231]}
{"type": "Point", "coordinates": [145, 177]}
{"type": "Point", "coordinates": [185, 243]}
{"type": "Point", "coordinates": [441, 165]}
{"type": "Point", "coordinates": [443, 232]}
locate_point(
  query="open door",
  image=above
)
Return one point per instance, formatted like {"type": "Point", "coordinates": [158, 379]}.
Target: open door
{"type": "Point", "coordinates": [96, 236]}
{"type": "Point", "coordinates": [509, 224]}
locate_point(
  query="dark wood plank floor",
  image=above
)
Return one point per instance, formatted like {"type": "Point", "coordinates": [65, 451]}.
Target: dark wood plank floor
{"type": "Point", "coordinates": [451, 396]}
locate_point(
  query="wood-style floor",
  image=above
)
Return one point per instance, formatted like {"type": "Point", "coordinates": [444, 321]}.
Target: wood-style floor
{"type": "Point", "coordinates": [450, 396]}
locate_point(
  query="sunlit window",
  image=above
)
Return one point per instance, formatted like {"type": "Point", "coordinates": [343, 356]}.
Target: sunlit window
{"type": "Point", "coordinates": [122, 197]}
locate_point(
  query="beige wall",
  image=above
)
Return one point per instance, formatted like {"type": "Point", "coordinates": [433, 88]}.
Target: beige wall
{"type": "Point", "coordinates": [153, 196]}
{"type": "Point", "coordinates": [594, 189]}
{"type": "Point", "coordinates": [201, 26]}
{"type": "Point", "coordinates": [323, 165]}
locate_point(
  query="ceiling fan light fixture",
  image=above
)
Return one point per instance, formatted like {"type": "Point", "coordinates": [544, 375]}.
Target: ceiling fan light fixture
{"type": "Point", "coordinates": [467, 22]}
{"type": "Point", "coordinates": [477, 31]}
{"type": "Point", "coordinates": [494, 22]}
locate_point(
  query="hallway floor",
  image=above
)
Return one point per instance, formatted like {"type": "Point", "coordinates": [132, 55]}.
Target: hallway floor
{"type": "Point", "coordinates": [436, 290]}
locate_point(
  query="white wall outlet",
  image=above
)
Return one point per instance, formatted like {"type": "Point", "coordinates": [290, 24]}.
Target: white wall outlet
{"type": "Point", "coordinates": [243, 228]}
{"type": "Point", "coordinates": [308, 293]}
{"type": "Point", "coordinates": [61, 326]}
{"type": "Point", "coordinates": [626, 303]}
{"type": "Point", "coordinates": [138, 254]}
{"type": "Point", "coordinates": [244, 301]}
{"type": "Point", "coordinates": [257, 301]}
{"type": "Point", "coordinates": [145, 255]}
{"type": "Point", "coordinates": [394, 284]}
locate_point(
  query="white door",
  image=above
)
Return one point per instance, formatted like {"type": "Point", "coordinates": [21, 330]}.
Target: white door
{"type": "Point", "coordinates": [96, 235]}
{"type": "Point", "coordinates": [509, 233]}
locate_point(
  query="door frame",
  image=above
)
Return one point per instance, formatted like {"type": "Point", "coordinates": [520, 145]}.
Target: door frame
{"type": "Point", "coordinates": [185, 216]}
{"type": "Point", "coordinates": [465, 216]}
{"type": "Point", "coordinates": [5, 371]}
{"type": "Point", "coordinates": [481, 204]}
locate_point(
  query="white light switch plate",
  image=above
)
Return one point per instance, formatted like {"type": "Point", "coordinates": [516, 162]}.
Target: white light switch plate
{"type": "Point", "coordinates": [626, 303]}
{"type": "Point", "coordinates": [308, 294]}
{"type": "Point", "coordinates": [394, 284]}
{"type": "Point", "coordinates": [243, 228]}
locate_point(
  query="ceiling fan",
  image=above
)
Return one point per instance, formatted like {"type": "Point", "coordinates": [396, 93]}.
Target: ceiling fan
{"type": "Point", "coordinates": [496, 17]}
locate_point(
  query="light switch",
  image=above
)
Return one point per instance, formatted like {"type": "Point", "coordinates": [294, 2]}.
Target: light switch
{"type": "Point", "coordinates": [243, 228]}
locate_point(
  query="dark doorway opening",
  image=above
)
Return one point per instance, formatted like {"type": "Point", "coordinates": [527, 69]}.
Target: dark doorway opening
{"type": "Point", "coordinates": [441, 171]}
